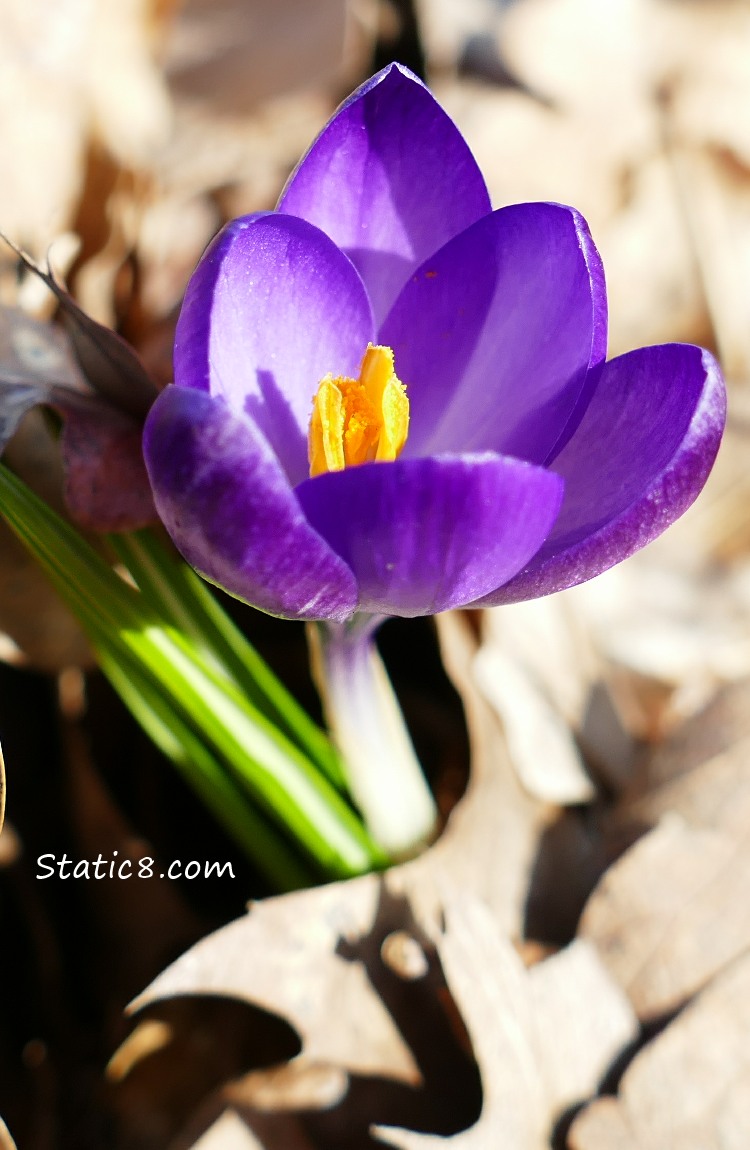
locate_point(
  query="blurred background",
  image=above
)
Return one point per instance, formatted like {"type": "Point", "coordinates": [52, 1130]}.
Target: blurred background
{"type": "Point", "coordinates": [130, 130]}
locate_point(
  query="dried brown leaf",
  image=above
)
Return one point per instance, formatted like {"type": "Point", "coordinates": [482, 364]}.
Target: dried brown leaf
{"type": "Point", "coordinates": [689, 1089]}
{"type": "Point", "coordinates": [702, 771]}
{"type": "Point", "coordinates": [532, 666]}
{"type": "Point", "coordinates": [542, 1039]}
{"type": "Point", "coordinates": [76, 73]}
{"type": "Point", "coordinates": [297, 974]}
{"type": "Point", "coordinates": [671, 913]}
{"type": "Point", "coordinates": [110, 365]}
{"type": "Point", "coordinates": [630, 113]}
{"type": "Point", "coordinates": [34, 358]}
{"type": "Point", "coordinates": [232, 57]}
{"type": "Point", "coordinates": [97, 382]}
{"type": "Point", "coordinates": [715, 192]}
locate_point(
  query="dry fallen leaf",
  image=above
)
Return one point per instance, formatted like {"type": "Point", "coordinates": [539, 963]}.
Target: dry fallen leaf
{"type": "Point", "coordinates": [76, 71]}
{"type": "Point", "coordinates": [540, 698]}
{"type": "Point", "coordinates": [630, 113]}
{"type": "Point", "coordinates": [671, 913]}
{"type": "Point", "coordinates": [542, 1039]}
{"type": "Point", "coordinates": [688, 1089]}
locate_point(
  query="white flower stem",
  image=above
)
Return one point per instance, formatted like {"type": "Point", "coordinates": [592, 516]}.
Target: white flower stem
{"type": "Point", "coordinates": [383, 773]}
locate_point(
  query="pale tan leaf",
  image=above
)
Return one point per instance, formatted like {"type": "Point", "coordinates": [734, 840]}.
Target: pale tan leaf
{"type": "Point", "coordinates": [75, 70]}
{"type": "Point", "coordinates": [716, 193]}
{"type": "Point", "coordinates": [549, 645]}
{"type": "Point", "coordinates": [129, 103]}
{"type": "Point", "coordinates": [701, 51]}
{"type": "Point", "coordinates": [39, 51]}
{"type": "Point", "coordinates": [702, 771]}
{"type": "Point", "coordinates": [567, 50]}
{"type": "Point", "coordinates": [542, 1038]}
{"type": "Point", "coordinates": [297, 973]}
{"type": "Point", "coordinates": [489, 845]}
{"type": "Point", "coordinates": [671, 913]}
{"type": "Point", "coordinates": [540, 742]}
{"type": "Point", "coordinates": [583, 1021]}
{"type": "Point", "coordinates": [447, 26]}
{"type": "Point", "coordinates": [549, 639]}
{"type": "Point", "coordinates": [689, 1089]}
{"type": "Point", "coordinates": [488, 980]}
{"type": "Point", "coordinates": [234, 56]}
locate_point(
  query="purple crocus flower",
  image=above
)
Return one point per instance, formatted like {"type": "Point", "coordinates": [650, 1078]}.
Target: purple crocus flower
{"type": "Point", "coordinates": [530, 464]}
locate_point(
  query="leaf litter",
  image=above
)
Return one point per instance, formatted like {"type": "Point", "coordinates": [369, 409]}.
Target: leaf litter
{"type": "Point", "coordinates": [567, 965]}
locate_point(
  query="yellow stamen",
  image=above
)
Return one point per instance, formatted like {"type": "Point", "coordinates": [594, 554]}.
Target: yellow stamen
{"type": "Point", "coordinates": [359, 420]}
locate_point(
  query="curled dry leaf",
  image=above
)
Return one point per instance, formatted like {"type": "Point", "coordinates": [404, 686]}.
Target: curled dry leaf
{"type": "Point", "coordinates": [97, 383]}
{"type": "Point", "coordinates": [688, 1089]}
{"type": "Point", "coordinates": [109, 364]}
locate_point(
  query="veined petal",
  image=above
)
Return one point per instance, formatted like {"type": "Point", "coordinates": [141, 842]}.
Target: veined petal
{"type": "Point", "coordinates": [495, 335]}
{"type": "Point", "coordinates": [228, 507]}
{"type": "Point", "coordinates": [637, 461]}
{"type": "Point", "coordinates": [425, 535]}
{"type": "Point", "coordinates": [272, 307]}
{"type": "Point", "coordinates": [390, 179]}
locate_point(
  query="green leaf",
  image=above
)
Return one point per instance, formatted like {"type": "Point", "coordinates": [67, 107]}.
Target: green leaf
{"type": "Point", "coordinates": [261, 759]}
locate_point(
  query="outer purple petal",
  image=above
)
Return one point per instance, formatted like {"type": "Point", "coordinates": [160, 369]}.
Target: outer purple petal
{"type": "Point", "coordinates": [231, 512]}
{"type": "Point", "coordinates": [272, 307]}
{"type": "Point", "coordinates": [390, 179]}
{"type": "Point", "coordinates": [424, 535]}
{"type": "Point", "coordinates": [496, 334]}
{"type": "Point", "coordinates": [638, 460]}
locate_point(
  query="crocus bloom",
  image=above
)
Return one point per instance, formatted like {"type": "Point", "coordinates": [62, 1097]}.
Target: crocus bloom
{"type": "Point", "coordinates": [529, 464]}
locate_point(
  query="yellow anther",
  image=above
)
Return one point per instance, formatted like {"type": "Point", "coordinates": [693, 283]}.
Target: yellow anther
{"type": "Point", "coordinates": [359, 420]}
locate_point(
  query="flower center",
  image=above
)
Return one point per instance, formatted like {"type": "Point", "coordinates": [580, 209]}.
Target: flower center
{"type": "Point", "coordinates": [359, 420]}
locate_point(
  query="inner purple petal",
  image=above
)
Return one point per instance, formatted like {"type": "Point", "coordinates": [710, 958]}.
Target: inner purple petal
{"type": "Point", "coordinates": [495, 336]}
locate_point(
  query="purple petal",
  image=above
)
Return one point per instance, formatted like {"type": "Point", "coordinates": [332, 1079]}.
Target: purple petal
{"type": "Point", "coordinates": [496, 335]}
{"type": "Point", "coordinates": [638, 460]}
{"type": "Point", "coordinates": [390, 179]}
{"type": "Point", "coordinates": [230, 510]}
{"type": "Point", "coordinates": [424, 535]}
{"type": "Point", "coordinates": [272, 307]}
